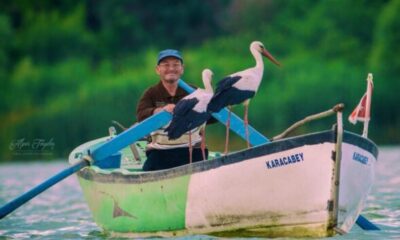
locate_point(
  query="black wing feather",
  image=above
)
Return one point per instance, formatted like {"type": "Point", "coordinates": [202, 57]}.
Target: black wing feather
{"type": "Point", "coordinates": [222, 94]}
{"type": "Point", "coordinates": [185, 118]}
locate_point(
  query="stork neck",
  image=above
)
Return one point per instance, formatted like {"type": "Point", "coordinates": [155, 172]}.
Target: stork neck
{"type": "Point", "coordinates": [257, 56]}
{"type": "Point", "coordinates": [207, 85]}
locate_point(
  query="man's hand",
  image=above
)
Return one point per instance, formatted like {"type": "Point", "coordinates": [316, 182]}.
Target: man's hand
{"type": "Point", "coordinates": [168, 108]}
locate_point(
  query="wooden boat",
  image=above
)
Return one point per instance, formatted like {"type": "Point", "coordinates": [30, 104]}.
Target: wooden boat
{"type": "Point", "coordinates": [312, 185]}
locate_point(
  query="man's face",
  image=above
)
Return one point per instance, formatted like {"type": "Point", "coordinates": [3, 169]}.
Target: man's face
{"type": "Point", "coordinates": [170, 70]}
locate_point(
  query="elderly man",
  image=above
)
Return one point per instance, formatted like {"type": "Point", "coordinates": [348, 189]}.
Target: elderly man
{"type": "Point", "coordinates": [161, 152]}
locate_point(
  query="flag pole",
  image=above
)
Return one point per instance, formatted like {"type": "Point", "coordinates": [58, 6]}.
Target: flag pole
{"type": "Point", "coordinates": [368, 105]}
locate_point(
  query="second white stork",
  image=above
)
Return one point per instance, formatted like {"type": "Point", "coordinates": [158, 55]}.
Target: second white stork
{"type": "Point", "coordinates": [191, 112]}
{"type": "Point", "coordinates": [240, 87]}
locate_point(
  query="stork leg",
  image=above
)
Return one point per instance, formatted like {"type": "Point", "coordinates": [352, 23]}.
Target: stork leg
{"type": "Point", "coordinates": [203, 142]}
{"type": "Point", "coordinates": [190, 147]}
{"type": "Point", "coordinates": [228, 126]}
{"type": "Point", "coordinates": [246, 122]}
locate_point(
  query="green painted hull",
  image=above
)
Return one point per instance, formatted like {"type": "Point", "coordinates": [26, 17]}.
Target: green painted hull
{"type": "Point", "coordinates": [145, 207]}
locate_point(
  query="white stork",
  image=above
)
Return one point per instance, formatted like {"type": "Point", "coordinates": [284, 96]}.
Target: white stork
{"type": "Point", "coordinates": [241, 87]}
{"type": "Point", "coordinates": [191, 112]}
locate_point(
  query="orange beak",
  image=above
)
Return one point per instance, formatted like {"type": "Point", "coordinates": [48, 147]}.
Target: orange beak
{"type": "Point", "coordinates": [270, 57]}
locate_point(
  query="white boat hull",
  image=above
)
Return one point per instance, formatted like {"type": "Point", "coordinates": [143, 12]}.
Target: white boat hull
{"type": "Point", "coordinates": [284, 188]}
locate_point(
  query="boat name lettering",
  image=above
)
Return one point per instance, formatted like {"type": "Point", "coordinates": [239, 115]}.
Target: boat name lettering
{"type": "Point", "coordinates": [283, 161]}
{"type": "Point", "coordinates": [360, 158]}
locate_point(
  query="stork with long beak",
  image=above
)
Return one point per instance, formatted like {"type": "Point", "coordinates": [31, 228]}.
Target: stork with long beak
{"type": "Point", "coordinates": [191, 112]}
{"type": "Point", "coordinates": [240, 87]}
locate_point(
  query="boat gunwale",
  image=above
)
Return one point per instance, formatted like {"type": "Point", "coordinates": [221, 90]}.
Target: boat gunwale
{"type": "Point", "coordinates": [106, 176]}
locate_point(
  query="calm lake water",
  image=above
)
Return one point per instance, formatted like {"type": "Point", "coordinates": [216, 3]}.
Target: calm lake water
{"type": "Point", "coordinates": [61, 212]}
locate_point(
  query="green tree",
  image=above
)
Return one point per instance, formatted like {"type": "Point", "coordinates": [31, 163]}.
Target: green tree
{"type": "Point", "coordinates": [385, 63]}
{"type": "Point", "coordinates": [6, 35]}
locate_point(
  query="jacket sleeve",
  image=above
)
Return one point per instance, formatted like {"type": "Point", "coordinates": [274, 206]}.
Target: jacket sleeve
{"type": "Point", "coordinates": [145, 107]}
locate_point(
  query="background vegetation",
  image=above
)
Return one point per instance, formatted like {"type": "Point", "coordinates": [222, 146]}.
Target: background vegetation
{"type": "Point", "coordinates": [69, 67]}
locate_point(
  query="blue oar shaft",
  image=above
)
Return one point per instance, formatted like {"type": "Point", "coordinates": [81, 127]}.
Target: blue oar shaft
{"type": "Point", "coordinates": [237, 124]}
{"type": "Point", "coordinates": [132, 134]}
{"type": "Point", "coordinates": [17, 202]}
{"type": "Point", "coordinates": [366, 224]}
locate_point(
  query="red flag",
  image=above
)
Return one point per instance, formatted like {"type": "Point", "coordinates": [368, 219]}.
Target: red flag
{"type": "Point", "coordinates": [362, 111]}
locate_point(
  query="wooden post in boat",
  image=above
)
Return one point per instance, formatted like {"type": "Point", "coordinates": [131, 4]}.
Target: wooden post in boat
{"type": "Point", "coordinates": [336, 180]}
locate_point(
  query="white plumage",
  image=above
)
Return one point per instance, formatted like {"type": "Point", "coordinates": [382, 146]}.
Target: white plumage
{"type": "Point", "coordinates": [241, 86]}
{"type": "Point", "coordinates": [191, 111]}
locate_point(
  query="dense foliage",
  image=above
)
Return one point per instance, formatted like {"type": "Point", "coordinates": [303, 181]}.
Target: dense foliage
{"type": "Point", "coordinates": [67, 68]}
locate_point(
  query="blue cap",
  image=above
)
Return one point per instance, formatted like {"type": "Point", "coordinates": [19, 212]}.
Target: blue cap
{"type": "Point", "coordinates": [169, 53]}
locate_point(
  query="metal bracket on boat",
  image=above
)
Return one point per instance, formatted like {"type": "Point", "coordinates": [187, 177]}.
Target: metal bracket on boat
{"type": "Point", "coordinates": [337, 108]}
{"type": "Point", "coordinates": [88, 159]}
{"type": "Point", "coordinates": [112, 131]}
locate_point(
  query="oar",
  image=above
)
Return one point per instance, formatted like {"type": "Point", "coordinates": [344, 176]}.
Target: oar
{"type": "Point", "coordinates": [256, 138]}
{"type": "Point", "coordinates": [237, 125]}
{"type": "Point", "coordinates": [98, 155]}
{"type": "Point", "coordinates": [365, 224]}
